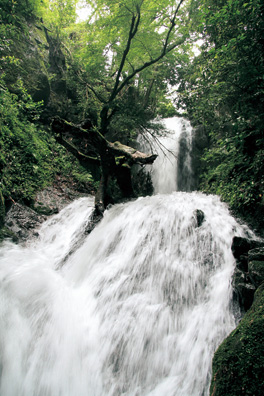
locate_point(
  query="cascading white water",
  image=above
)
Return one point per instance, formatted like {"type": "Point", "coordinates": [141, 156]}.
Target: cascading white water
{"type": "Point", "coordinates": [164, 169]}
{"type": "Point", "coordinates": [137, 310]}
{"type": "Point", "coordinates": [185, 176]}
{"type": "Point", "coordinates": [172, 170]}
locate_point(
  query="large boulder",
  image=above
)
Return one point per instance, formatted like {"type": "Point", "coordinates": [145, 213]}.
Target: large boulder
{"type": "Point", "coordinates": [238, 364]}
{"type": "Point", "coordinates": [256, 272]}
{"type": "Point", "coordinates": [199, 217]}
{"type": "Point", "coordinates": [23, 221]}
{"type": "Point", "coordinates": [256, 266]}
{"type": "Point", "coordinates": [249, 272]}
{"type": "Point", "coordinates": [244, 289]}
{"type": "Point", "coordinates": [241, 246]}
{"type": "Point", "coordinates": [256, 254]}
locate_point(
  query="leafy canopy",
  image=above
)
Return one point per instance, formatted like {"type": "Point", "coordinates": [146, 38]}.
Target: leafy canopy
{"type": "Point", "coordinates": [130, 46]}
{"type": "Point", "coordinates": [223, 89]}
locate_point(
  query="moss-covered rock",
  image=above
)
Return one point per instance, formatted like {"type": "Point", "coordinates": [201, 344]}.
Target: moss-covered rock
{"type": "Point", "coordinates": [256, 272]}
{"type": "Point", "coordinates": [5, 233]}
{"type": "Point", "coordinates": [30, 59]}
{"type": "Point", "coordinates": [238, 364]}
{"type": "Point", "coordinates": [45, 210]}
{"type": "Point", "coordinates": [256, 254]}
{"type": "Point", "coordinates": [244, 290]}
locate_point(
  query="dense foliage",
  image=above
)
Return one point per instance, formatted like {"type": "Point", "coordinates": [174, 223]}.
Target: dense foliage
{"type": "Point", "coordinates": [108, 71]}
{"type": "Point", "coordinates": [98, 70]}
{"type": "Point", "coordinates": [24, 154]}
{"type": "Point", "coordinates": [122, 61]}
{"type": "Point", "coordinates": [118, 61]}
{"type": "Point", "coordinates": [223, 90]}
{"type": "Point", "coordinates": [29, 157]}
{"type": "Point", "coordinates": [59, 13]}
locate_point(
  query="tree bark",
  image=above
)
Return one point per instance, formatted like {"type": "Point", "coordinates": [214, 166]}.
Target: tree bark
{"type": "Point", "coordinates": [115, 160]}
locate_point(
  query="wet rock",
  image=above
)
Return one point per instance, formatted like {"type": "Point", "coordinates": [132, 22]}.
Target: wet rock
{"type": "Point", "coordinates": [239, 277]}
{"type": "Point", "coordinates": [256, 254]}
{"type": "Point", "coordinates": [256, 272]}
{"type": "Point", "coordinates": [23, 221]}
{"type": "Point", "coordinates": [242, 263]}
{"type": "Point", "coordinates": [243, 289]}
{"type": "Point", "coordinates": [199, 216]}
{"type": "Point", "coordinates": [45, 210]}
{"type": "Point", "coordinates": [249, 272]}
{"type": "Point", "coordinates": [5, 233]}
{"type": "Point", "coordinates": [241, 246]}
{"type": "Point", "coordinates": [256, 266]}
{"type": "Point", "coordinates": [245, 292]}
{"type": "Point", "coordinates": [53, 199]}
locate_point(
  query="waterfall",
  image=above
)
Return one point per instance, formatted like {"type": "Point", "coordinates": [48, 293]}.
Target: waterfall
{"type": "Point", "coordinates": [172, 170]}
{"type": "Point", "coordinates": [138, 309]}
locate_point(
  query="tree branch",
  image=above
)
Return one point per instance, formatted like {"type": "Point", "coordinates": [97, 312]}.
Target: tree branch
{"type": "Point", "coordinates": [172, 26]}
{"type": "Point", "coordinates": [164, 52]}
{"type": "Point", "coordinates": [99, 144]}
{"type": "Point", "coordinates": [82, 158]}
{"type": "Point", "coordinates": [133, 30]}
{"type": "Point", "coordinates": [147, 64]}
{"type": "Point", "coordinates": [99, 97]}
{"type": "Point", "coordinates": [132, 155]}
{"type": "Point", "coordinates": [62, 127]}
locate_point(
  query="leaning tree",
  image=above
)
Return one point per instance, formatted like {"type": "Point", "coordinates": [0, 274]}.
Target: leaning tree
{"type": "Point", "coordinates": [132, 40]}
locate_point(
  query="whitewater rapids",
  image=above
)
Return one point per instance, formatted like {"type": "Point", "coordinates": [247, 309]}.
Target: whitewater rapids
{"type": "Point", "coordinates": [137, 310]}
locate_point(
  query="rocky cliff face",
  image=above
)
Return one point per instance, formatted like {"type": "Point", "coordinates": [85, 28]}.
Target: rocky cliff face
{"type": "Point", "coordinates": [22, 222]}
{"type": "Point", "coordinates": [40, 64]}
{"type": "Point", "coordinates": [249, 272]}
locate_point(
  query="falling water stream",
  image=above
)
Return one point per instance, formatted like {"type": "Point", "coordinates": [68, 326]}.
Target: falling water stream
{"type": "Point", "coordinates": [172, 170]}
{"type": "Point", "coordinates": [137, 310]}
